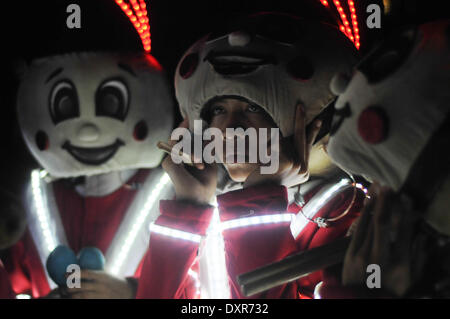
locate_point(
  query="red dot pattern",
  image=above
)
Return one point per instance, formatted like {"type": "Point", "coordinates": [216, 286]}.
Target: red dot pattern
{"type": "Point", "coordinates": [189, 65]}
{"type": "Point", "coordinates": [373, 125]}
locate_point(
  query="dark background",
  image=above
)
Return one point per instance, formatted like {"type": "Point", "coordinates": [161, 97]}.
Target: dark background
{"type": "Point", "coordinates": [30, 29]}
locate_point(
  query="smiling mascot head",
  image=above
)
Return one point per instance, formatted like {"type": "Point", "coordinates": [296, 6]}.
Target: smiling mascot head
{"type": "Point", "coordinates": [93, 111]}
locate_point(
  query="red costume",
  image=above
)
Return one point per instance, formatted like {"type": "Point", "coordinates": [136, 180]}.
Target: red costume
{"type": "Point", "coordinates": [165, 269]}
{"type": "Point", "coordinates": [87, 221]}
{"type": "Point", "coordinates": [6, 291]}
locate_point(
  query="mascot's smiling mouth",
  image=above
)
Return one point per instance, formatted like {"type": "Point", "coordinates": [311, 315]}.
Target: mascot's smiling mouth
{"type": "Point", "coordinates": [93, 155]}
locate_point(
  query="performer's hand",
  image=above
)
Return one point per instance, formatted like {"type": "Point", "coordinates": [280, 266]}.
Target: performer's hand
{"type": "Point", "coordinates": [385, 236]}
{"type": "Point", "coordinates": [293, 155]}
{"type": "Point", "coordinates": [196, 184]}
{"type": "Point", "coordinates": [100, 285]}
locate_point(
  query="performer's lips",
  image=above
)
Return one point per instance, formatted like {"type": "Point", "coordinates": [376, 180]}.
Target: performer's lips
{"type": "Point", "coordinates": [93, 155]}
{"type": "Point", "coordinates": [231, 63]}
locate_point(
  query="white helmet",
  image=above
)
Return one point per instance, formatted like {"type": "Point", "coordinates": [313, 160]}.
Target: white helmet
{"type": "Point", "coordinates": [91, 113]}
{"type": "Point", "coordinates": [398, 97]}
{"type": "Point", "coordinates": [273, 60]}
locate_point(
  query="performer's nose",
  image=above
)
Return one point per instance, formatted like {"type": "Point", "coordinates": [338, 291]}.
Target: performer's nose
{"type": "Point", "coordinates": [88, 133]}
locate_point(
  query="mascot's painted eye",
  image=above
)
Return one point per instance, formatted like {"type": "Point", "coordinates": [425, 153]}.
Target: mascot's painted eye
{"type": "Point", "coordinates": [63, 102]}
{"type": "Point", "coordinates": [386, 59]}
{"type": "Point", "coordinates": [112, 99]}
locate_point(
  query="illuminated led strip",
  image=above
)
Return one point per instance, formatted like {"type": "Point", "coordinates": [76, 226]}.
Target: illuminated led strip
{"type": "Point", "coordinates": [257, 220]}
{"type": "Point", "coordinates": [143, 19]}
{"type": "Point", "coordinates": [316, 290]}
{"type": "Point", "coordinates": [351, 5]}
{"type": "Point", "coordinates": [23, 296]}
{"type": "Point", "coordinates": [314, 205]}
{"type": "Point", "coordinates": [175, 233]}
{"type": "Point", "coordinates": [118, 260]}
{"type": "Point", "coordinates": [118, 256]}
{"type": "Point", "coordinates": [196, 279]}
{"type": "Point", "coordinates": [214, 251]}
{"type": "Point", "coordinates": [344, 19]}
{"type": "Point", "coordinates": [137, 13]}
{"type": "Point", "coordinates": [115, 262]}
{"type": "Point", "coordinates": [351, 33]}
{"type": "Point", "coordinates": [361, 187]}
{"type": "Point", "coordinates": [42, 211]}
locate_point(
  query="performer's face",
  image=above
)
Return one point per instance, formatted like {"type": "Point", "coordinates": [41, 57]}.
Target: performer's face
{"type": "Point", "coordinates": [234, 113]}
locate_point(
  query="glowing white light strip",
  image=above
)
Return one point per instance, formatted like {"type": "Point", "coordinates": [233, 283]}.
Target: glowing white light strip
{"type": "Point", "coordinates": [118, 260]}
{"type": "Point", "coordinates": [23, 296]}
{"type": "Point", "coordinates": [196, 279]}
{"type": "Point", "coordinates": [313, 206]}
{"type": "Point", "coordinates": [257, 220]}
{"type": "Point", "coordinates": [215, 260]}
{"type": "Point", "coordinates": [42, 211]}
{"type": "Point", "coordinates": [175, 233]}
{"type": "Point", "coordinates": [361, 187]}
{"type": "Point", "coordinates": [316, 290]}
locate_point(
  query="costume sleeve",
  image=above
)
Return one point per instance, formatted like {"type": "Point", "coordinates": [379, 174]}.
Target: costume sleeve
{"type": "Point", "coordinates": [313, 236]}
{"type": "Point", "coordinates": [25, 270]}
{"type": "Point", "coordinates": [256, 230]}
{"type": "Point", "coordinates": [174, 242]}
{"type": "Point", "coordinates": [6, 291]}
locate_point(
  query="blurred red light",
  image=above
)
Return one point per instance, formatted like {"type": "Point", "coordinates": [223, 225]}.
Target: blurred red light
{"type": "Point", "coordinates": [142, 24]}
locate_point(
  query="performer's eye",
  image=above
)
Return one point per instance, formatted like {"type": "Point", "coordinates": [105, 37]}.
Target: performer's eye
{"type": "Point", "coordinates": [63, 102]}
{"type": "Point", "coordinates": [112, 99]}
{"type": "Point", "coordinates": [217, 110]}
{"type": "Point", "coordinates": [254, 109]}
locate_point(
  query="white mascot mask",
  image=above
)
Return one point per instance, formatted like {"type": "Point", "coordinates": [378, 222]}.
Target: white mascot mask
{"type": "Point", "coordinates": [92, 113]}
{"type": "Point", "coordinates": [275, 61]}
{"type": "Point", "coordinates": [398, 97]}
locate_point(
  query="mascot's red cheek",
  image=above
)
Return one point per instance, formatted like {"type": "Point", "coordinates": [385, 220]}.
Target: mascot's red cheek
{"type": "Point", "coordinates": [140, 131]}
{"type": "Point", "coordinates": [42, 142]}
{"type": "Point", "coordinates": [188, 66]}
{"type": "Point", "coordinates": [373, 125]}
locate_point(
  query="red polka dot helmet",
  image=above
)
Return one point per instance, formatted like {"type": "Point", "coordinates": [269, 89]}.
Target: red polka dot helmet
{"type": "Point", "coordinates": [398, 97]}
{"type": "Point", "coordinates": [272, 60]}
